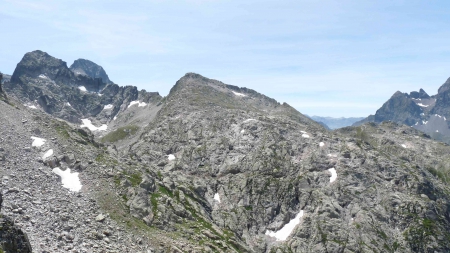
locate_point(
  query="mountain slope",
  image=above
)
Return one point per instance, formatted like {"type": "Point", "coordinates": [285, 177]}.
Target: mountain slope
{"type": "Point", "coordinates": [218, 168]}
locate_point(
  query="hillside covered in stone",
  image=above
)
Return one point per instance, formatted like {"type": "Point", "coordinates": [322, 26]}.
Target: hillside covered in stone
{"type": "Point", "coordinates": [213, 167]}
{"type": "Point", "coordinates": [419, 110]}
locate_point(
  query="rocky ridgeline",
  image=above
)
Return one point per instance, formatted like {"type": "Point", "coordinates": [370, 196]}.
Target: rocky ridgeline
{"type": "Point", "coordinates": [43, 82]}
{"type": "Point", "coordinates": [218, 168]}
{"type": "Point", "coordinates": [419, 110]}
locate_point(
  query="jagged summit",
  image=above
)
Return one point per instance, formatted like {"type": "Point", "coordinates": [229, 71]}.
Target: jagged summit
{"type": "Point", "coordinates": [89, 68]}
{"type": "Point", "coordinates": [44, 82]}
{"type": "Point", "coordinates": [419, 110]}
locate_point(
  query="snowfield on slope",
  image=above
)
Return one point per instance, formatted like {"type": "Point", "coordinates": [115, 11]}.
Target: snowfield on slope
{"type": "Point", "coordinates": [286, 230]}
{"type": "Point", "coordinates": [68, 180]}
{"type": "Point", "coordinates": [88, 124]}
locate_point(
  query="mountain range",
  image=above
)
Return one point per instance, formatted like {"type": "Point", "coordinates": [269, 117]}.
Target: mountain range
{"type": "Point", "coordinates": [88, 165]}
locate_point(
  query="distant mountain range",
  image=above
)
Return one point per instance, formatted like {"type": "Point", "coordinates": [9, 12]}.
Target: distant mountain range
{"type": "Point", "coordinates": [334, 123]}
{"type": "Point", "coordinates": [419, 110]}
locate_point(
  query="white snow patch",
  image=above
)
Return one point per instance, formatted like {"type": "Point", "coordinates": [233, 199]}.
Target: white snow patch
{"type": "Point", "coordinates": [99, 94]}
{"type": "Point", "coordinates": [217, 197]}
{"type": "Point", "coordinates": [68, 104]}
{"type": "Point", "coordinates": [115, 117]}
{"type": "Point", "coordinates": [248, 120]}
{"type": "Point", "coordinates": [305, 135]}
{"type": "Point", "coordinates": [422, 114]}
{"type": "Point", "coordinates": [68, 180]}
{"type": "Point", "coordinates": [140, 104]}
{"type": "Point", "coordinates": [286, 230]}
{"type": "Point", "coordinates": [321, 144]}
{"type": "Point", "coordinates": [437, 115]}
{"type": "Point", "coordinates": [403, 145]}
{"type": "Point", "coordinates": [42, 76]}
{"type": "Point", "coordinates": [303, 132]}
{"type": "Point", "coordinates": [332, 155]}
{"type": "Point", "coordinates": [437, 131]}
{"type": "Point", "coordinates": [242, 131]}
{"type": "Point", "coordinates": [417, 123]}
{"type": "Point", "coordinates": [420, 104]}
{"type": "Point", "coordinates": [47, 154]}
{"type": "Point", "coordinates": [424, 122]}
{"type": "Point", "coordinates": [32, 107]}
{"type": "Point", "coordinates": [88, 124]}
{"type": "Point", "coordinates": [333, 175]}
{"type": "Point", "coordinates": [171, 157]}
{"type": "Point", "coordinates": [82, 88]}
{"type": "Point", "coordinates": [37, 142]}
{"type": "Point", "coordinates": [239, 94]}
{"type": "Point", "coordinates": [445, 118]}
{"type": "Point", "coordinates": [107, 107]}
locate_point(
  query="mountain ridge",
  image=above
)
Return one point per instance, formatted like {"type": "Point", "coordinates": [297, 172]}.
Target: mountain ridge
{"type": "Point", "coordinates": [213, 167]}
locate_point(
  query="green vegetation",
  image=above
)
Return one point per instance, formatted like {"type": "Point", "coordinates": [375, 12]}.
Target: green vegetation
{"type": "Point", "coordinates": [120, 134]}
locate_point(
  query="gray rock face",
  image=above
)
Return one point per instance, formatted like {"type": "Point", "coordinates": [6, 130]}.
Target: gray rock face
{"type": "Point", "coordinates": [88, 68]}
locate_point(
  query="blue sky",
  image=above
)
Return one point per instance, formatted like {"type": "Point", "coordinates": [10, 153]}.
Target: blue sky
{"type": "Point", "coordinates": [327, 58]}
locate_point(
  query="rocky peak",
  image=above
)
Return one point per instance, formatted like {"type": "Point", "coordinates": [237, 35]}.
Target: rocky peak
{"type": "Point", "coordinates": [89, 68]}
{"type": "Point", "coordinates": [421, 94]}
{"type": "Point", "coordinates": [39, 64]}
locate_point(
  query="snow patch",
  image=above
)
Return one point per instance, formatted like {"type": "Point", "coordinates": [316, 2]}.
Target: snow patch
{"type": "Point", "coordinates": [333, 175]}
{"type": "Point", "coordinates": [305, 135]}
{"type": "Point", "coordinates": [424, 122]}
{"type": "Point", "coordinates": [82, 88]}
{"type": "Point", "coordinates": [107, 107]}
{"type": "Point", "coordinates": [88, 124]}
{"type": "Point", "coordinates": [217, 197]}
{"type": "Point", "coordinates": [242, 131]}
{"type": "Point", "coordinates": [32, 107]}
{"type": "Point", "coordinates": [248, 120]}
{"type": "Point", "coordinates": [171, 157]}
{"type": "Point", "coordinates": [437, 115]}
{"type": "Point", "coordinates": [437, 131]}
{"type": "Point", "coordinates": [321, 144]}
{"type": "Point", "coordinates": [403, 145]}
{"type": "Point", "coordinates": [43, 76]}
{"type": "Point", "coordinates": [47, 154]}
{"type": "Point", "coordinates": [422, 114]}
{"type": "Point", "coordinates": [422, 105]}
{"type": "Point", "coordinates": [140, 104]}
{"type": "Point", "coordinates": [68, 104]}
{"type": "Point", "coordinates": [68, 180]}
{"type": "Point", "coordinates": [37, 142]}
{"type": "Point", "coordinates": [239, 94]}
{"type": "Point", "coordinates": [417, 123]}
{"type": "Point", "coordinates": [286, 230]}
{"type": "Point", "coordinates": [115, 117]}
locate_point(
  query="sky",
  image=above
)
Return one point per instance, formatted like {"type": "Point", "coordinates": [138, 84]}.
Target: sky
{"type": "Point", "coordinates": [334, 58]}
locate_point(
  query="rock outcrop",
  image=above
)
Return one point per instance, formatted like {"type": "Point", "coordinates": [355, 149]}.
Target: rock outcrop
{"type": "Point", "coordinates": [12, 239]}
